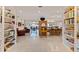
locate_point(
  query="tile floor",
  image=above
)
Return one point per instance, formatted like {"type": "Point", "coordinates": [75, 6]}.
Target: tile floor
{"type": "Point", "coordinates": [39, 44]}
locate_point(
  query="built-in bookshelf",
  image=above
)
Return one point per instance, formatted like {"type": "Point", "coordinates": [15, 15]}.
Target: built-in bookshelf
{"type": "Point", "coordinates": [77, 40]}
{"type": "Point", "coordinates": [69, 27]}
{"type": "Point", "coordinates": [9, 30]}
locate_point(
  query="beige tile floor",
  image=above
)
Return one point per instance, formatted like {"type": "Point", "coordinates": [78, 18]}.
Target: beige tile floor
{"type": "Point", "coordinates": [39, 44]}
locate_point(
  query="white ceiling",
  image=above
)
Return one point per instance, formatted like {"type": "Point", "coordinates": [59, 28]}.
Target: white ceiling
{"type": "Point", "coordinates": [34, 12]}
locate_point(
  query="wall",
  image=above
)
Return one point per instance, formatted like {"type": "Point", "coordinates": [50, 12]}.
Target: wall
{"type": "Point", "coordinates": [33, 13]}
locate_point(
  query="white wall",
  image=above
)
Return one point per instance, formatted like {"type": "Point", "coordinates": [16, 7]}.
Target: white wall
{"type": "Point", "coordinates": [30, 13]}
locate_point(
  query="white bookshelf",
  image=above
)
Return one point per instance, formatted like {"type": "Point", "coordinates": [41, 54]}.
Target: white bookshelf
{"type": "Point", "coordinates": [9, 29]}
{"type": "Point", "coordinates": [69, 28]}
{"type": "Point", "coordinates": [77, 30]}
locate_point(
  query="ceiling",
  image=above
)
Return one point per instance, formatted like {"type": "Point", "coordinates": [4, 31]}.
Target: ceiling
{"type": "Point", "coordinates": [54, 13]}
